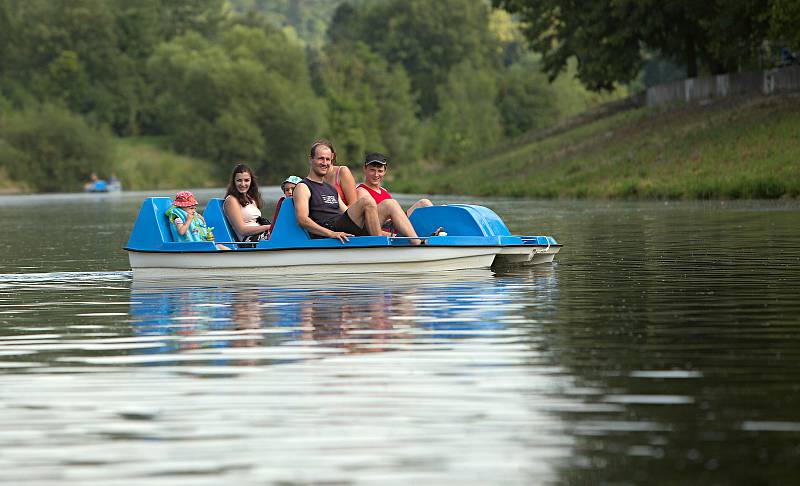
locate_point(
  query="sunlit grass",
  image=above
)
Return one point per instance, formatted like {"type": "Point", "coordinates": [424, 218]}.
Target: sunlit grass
{"type": "Point", "coordinates": [9, 186]}
{"type": "Point", "coordinates": [146, 163]}
{"type": "Point", "coordinates": [739, 148]}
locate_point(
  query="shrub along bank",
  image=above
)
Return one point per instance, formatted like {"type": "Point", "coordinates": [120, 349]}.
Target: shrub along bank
{"type": "Point", "coordinates": [731, 148]}
{"type": "Point", "coordinates": [145, 163]}
{"type": "Point", "coordinates": [49, 149]}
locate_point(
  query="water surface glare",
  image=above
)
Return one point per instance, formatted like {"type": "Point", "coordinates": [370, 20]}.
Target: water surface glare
{"type": "Point", "coordinates": [661, 347]}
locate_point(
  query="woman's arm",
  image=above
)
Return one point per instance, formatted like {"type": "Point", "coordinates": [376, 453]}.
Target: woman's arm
{"type": "Point", "coordinates": [348, 184]}
{"type": "Point", "coordinates": [233, 212]}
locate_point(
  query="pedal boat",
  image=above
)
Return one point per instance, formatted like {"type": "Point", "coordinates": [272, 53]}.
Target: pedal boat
{"type": "Point", "coordinates": [476, 238]}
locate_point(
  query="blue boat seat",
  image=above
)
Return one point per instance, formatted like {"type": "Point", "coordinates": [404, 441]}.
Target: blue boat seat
{"type": "Point", "coordinates": [458, 220]}
{"type": "Point", "coordinates": [215, 218]}
{"type": "Point", "coordinates": [285, 227]}
{"type": "Point", "coordinates": [286, 230]}
{"type": "Point", "coordinates": [151, 230]}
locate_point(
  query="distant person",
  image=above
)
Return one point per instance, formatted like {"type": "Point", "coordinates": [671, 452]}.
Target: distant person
{"type": "Point", "coordinates": [89, 186]}
{"type": "Point", "coordinates": [242, 206]}
{"type": "Point", "coordinates": [339, 176]}
{"type": "Point", "coordinates": [186, 224]}
{"type": "Point", "coordinates": [114, 184]}
{"type": "Point", "coordinates": [95, 184]}
{"type": "Point", "coordinates": [288, 185]}
{"type": "Point", "coordinates": [320, 210]}
{"type": "Point", "coordinates": [375, 167]}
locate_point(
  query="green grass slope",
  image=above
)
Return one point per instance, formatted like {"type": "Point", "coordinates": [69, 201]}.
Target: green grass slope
{"type": "Point", "coordinates": [144, 163]}
{"type": "Point", "coordinates": [728, 148]}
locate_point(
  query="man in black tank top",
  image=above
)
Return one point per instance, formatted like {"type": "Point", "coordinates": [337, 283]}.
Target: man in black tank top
{"type": "Point", "coordinates": [318, 208]}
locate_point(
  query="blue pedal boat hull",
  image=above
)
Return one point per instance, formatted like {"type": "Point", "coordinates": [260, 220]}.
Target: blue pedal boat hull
{"type": "Point", "coordinates": [476, 238]}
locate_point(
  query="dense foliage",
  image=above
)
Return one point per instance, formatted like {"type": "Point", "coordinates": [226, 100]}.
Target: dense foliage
{"type": "Point", "coordinates": [49, 148]}
{"type": "Point", "coordinates": [610, 37]}
{"type": "Point", "coordinates": [245, 96]}
{"type": "Point", "coordinates": [254, 80]}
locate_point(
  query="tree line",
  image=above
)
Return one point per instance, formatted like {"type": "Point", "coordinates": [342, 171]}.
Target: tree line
{"type": "Point", "coordinates": [257, 80]}
{"type": "Point", "coordinates": [224, 81]}
{"type": "Point", "coordinates": [612, 38]}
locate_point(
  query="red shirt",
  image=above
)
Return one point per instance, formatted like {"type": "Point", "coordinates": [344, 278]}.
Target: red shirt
{"type": "Point", "coordinates": [377, 196]}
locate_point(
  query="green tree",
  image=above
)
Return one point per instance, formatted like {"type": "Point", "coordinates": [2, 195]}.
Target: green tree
{"type": "Point", "coordinates": [50, 149]}
{"type": "Point", "coordinates": [525, 99]}
{"type": "Point", "coordinates": [607, 36]}
{"type": "Point", "coordinates": [204, 17]}
{"type": "Point", "coordinates": [468, 120]}
{"type": "Point", "coordinates": [370, 103]}
{"type": "Point", "coordinates": [247, 96]}
{"type": "Point", "coordinates": [426, 38]}
{"type": "Point", "coordinates": [784, 20]}
{"type": "Point", "coordinates": [309, 19]}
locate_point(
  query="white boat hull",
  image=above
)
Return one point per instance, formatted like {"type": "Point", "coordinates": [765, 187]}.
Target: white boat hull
{"type": "Point", "coordinates": [307, 261]}
{"type": "Point", "coordinates": [526, 255]}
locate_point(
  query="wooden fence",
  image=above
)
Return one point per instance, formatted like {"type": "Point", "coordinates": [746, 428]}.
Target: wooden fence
{"type": "Point", "coordinates": [699, 89]}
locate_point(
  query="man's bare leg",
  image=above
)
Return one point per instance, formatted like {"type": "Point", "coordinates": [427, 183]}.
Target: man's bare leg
{"type": "Point", "coordinates": [422, 203]}
{"type": "Point", "coordinates": [390, 208]}
{"type": "Point", "coordinates": [364, 213]}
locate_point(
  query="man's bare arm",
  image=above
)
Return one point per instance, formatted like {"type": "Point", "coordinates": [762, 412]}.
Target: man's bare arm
{"type": "Point", "coordinates": [301, 197]}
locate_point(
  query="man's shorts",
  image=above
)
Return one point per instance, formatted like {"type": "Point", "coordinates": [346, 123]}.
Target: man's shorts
{"type": "Point", "coordinates": [345, 224]}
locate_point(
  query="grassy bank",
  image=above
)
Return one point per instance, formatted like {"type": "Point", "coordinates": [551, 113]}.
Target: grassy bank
{"type": "Point", "coordinates": [7, 186]}
{"type": "Point", "coordinates": [731, 148]}
{"type": "Point", "coordinates": [144, 163]}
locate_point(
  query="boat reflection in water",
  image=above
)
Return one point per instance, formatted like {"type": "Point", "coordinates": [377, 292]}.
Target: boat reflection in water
{"type": "Point", "coordinates": [235, 322]}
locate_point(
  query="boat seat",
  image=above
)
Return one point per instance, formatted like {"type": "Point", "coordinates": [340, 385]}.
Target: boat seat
{"type": "Point", "coordinates": [151, 231]}
{"type": "Point", "coordinates": [152, 223]}
{"type": "Point", "coordinates": [458, 220]}
{"type": "Point", "coordinates": [275, 216]}
{"type": "Point", "coordinates": [285, 229]}
{"type": "Point", "coordinates": [215, 218]}
{"type": "Point", "coordinates": [160, 206]}
{"type": "Point", "coordinates": [284, 223]}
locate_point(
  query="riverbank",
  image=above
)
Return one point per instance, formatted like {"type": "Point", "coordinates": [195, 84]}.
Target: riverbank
{"type": "Point", "coordinates": [146, 163]}
{"type": "Point", "coordinates": [143, 163]}
{"type": "Point", "coordinates": [746, 147]}
{"type": "Point", "coordinates": [7, 186]}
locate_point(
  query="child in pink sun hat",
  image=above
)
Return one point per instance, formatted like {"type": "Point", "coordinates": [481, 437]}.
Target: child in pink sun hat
{"type": "Point", "coordinates": [186, 224]}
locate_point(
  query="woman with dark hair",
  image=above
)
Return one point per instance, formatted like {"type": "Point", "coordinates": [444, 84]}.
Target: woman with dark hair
{"type": "Point", "coordinates": [339, 176]}
{"type": "Point", "coordinates": [242, 205]}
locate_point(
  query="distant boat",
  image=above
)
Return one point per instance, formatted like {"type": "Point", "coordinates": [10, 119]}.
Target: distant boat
{"type": "Point", "coordinates": [101, 185]}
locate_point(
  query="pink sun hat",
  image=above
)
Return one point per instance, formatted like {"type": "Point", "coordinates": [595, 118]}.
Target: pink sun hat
{"type": "Point", "coordinates": [184, 199]}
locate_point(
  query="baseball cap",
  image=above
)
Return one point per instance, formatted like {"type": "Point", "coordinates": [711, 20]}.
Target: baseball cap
{"type": "Point", "coordinates": [375, 158]}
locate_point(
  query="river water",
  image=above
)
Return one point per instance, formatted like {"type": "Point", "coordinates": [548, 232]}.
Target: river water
{"type": "Point", "coordinates": [662, 347]}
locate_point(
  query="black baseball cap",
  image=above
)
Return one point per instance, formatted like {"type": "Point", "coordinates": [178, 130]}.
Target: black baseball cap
{"type": "Point", "coordinates": [375, 158]}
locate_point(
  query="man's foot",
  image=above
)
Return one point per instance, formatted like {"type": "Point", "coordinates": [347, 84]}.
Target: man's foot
{"type": "Point", "coordinates": [439, 232]}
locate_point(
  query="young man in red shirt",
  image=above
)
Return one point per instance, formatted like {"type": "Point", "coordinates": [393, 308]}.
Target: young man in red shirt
{"type": "Point", "coordinates": [375, 165]}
